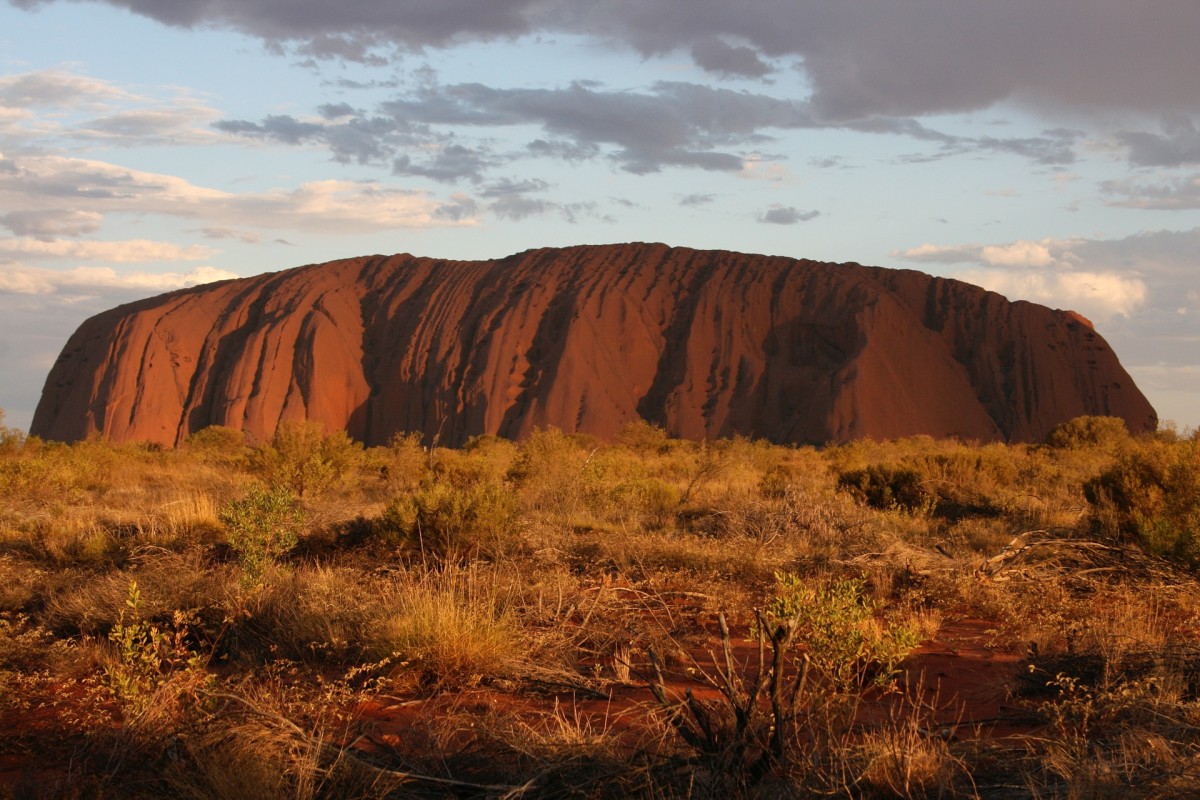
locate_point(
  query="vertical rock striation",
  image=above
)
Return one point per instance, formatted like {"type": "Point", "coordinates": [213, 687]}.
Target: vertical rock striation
{"type": "Point", "coordinates": [704, 343]}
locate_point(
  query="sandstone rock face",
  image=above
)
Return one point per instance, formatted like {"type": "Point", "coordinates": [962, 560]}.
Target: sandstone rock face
{"type": "Point", "coordinates": [587, 339]}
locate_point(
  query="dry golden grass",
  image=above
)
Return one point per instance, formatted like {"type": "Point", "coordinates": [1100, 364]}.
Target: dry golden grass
{"type": "Point", "coordinates": [519, 572]}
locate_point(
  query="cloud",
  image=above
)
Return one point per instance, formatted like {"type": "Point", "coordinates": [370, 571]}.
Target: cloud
{"type": "Point", "coordinates": [512, 200]}
{"type": "Point", "coordinates": [25, 280]}
{"type": "Point", "coordinates": [451, 163]}
{"type": "Point", "coordinates": [45, 183]}
{"type": "Point", "coordinates": [50, 223]}
{"type": "Point", "coordinates": [716, 55]}
{"type": "Point", "coordinates": [133, 251]}
{"type": "Point", "coordinates": [1153, 272]}
{"type": "Point", "coordinates": [218, 233]}
{"type": "Point", "coordinates": [787, 215]}
{"type": "Point", "coordinates": [898, 60]}
{"type": "Point", "coordinates": [1098, 295]}
{"type": "Point", "coordinates": [696, 199]}
{"type": "Point", "coordinates": [670, 124]}
{"type": "Point", "coordinates": [279, 127]}
{"type": "Point", "coordinates": [91, 110]}
{"type": "Point", "coordinates": [1169, 194]}
{"type": "Point", "coordinates": [58, 88]}
{"type": "Point", "coordinates": [357, 139]}
{"type": "Point", "coordinates": [1178, 144]}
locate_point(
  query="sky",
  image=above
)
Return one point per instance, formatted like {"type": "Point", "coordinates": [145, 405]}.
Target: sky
{"type": "Point", "coordinates": [1046, 151]}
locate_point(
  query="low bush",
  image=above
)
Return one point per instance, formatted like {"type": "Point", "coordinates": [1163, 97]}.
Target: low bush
{"type": "Point", "coordinates": [301, 457]}
{"type": "Point", "coordinates": [261, 527]}
{"type": "Point", "coordinates": [837, 625]}
{"type": "Point", "coordinates": [1085, 432]}
{"type": "Point", "coordinates": [887, 487]}
{"type": "Point", "coordinates": [1152, 494]}
{"type": "Point", "coordinates": [453, 522]}
{"type": "Point", "coordinates": [453, 627]}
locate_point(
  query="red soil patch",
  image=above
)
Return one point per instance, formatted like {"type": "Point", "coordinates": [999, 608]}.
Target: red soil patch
{"type": "Point", "coordinates": [963, 680]}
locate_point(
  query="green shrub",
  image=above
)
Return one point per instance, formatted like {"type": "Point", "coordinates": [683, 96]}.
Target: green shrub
{"type": "Point", "coordinates": [11, 439]}
{"type": "Point", "coordinates": [262, 526]}
{"type": "Point", "coordinates": [218, 444]}
{"type": "Point", "coordinates": [301, 457]}
{"type": "Point", "coordinates": [453, 521]}
{"type": "Point", "coordinates": [887, 487]}
{"type": "Point", "coordinates": [1152, 494]}
{"type": "Point", "coordinates": [403, 465]}
{"type": "Point", "coordinates": [145, 656]}
{"type": "Point", "coordinates": [837, 625]}
{"type": "Point", "coordinates": [1084, 432]}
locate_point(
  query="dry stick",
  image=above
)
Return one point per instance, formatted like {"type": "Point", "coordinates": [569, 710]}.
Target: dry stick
{"type": "Point", "coordinates": [329, 749]}
{"type": "Point", "coordinates": [675, 714]}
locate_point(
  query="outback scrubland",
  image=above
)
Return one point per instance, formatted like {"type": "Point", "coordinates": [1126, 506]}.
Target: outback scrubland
{"type": "Point", "coordinates": [562, 617]}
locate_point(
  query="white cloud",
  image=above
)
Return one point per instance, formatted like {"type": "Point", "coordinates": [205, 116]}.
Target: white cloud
{"type": "Point", "coordinates": [1021, 254]}
{"type": "Point", "coordinates": [25, 280]}
{"type": "Point", "coordinates": [1018, 254]}
{"type": "Point", "coordinates": [132, 251]}
{"type": "Point", "coordinates": [1097, 295]}
{"type": "Point", "coordinates": [57, 88]}
{"type": "Point", "coordinates": [1101, 278]}
{"type": "Point", "coordinates": [52, 106]}
{"type": "Point", "coordinates": [329, 206]}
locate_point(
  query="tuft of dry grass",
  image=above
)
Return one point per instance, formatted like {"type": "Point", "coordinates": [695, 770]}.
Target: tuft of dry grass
{"type": "Point", "coordinates": [453, 627]}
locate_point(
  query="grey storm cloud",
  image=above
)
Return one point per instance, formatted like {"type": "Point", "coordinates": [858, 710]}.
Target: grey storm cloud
{"type": "Point", "coordinates": [669, 124]}
{"type": "Point", "coordinates": [716, 55]}
{"type": "Point", "coordinates": [696, 199]}
{"type": "Point", "coordinates": [1176, 145]}
{"type": "Point", "coordinates": [891, 59]}
{"type": "Point", "coordinates": [452, 163]}
{"type": "Point", "coordinates": [673, 124]}
{"type": "Point", "coordinates": [787, 216]}
{"type": "Point", "coordinates": [1171, 194]}
{"type": "Point", "coordinates": [279, 127]}
{"type": "Point", "coordinates": [511, 200]}
{"type": "Point", "coordinates": [333, 111]}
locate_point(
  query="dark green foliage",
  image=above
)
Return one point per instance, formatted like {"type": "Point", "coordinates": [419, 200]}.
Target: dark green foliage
{"type": "Point", "coordinates": [1152, 494]}
{"type": "Point", "coordinates": [262, 526]}
{"type": "Point", "coordinates": [450, 520]}
{"type": "Point", "coordinates": [885, 487]}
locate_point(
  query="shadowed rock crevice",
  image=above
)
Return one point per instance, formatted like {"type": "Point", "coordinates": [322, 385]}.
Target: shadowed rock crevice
{"type": "Point", "coordinates": [588, 339]}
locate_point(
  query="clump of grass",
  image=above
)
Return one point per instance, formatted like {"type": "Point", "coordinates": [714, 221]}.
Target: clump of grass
{"type": "Point", "coordinates": [453, 627]}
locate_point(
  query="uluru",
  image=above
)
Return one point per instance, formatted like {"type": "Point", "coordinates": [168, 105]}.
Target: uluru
{"type": "Point", "coordinates": [705, 344]}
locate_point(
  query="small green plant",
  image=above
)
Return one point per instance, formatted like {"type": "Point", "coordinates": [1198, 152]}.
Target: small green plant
{"type": "Point", "coordinates": [146, 656]}
{"type": "Point", "coordinates": [261, 527]}
{"type": "Point", "coordinates": [838, 627]}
